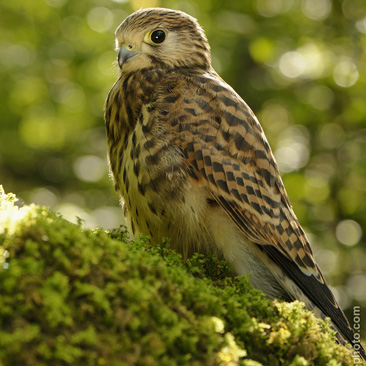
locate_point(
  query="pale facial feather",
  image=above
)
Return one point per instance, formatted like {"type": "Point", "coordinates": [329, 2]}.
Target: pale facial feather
{"type": "Point", "coordinates": [185, 44]}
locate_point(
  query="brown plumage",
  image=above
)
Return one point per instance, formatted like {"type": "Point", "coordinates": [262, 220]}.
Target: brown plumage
{"type": "Point", "coordinates": [191, 162]}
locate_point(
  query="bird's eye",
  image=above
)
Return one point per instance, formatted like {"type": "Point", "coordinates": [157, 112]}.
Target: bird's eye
{"type": "Point", "coordinates": [157, 36]}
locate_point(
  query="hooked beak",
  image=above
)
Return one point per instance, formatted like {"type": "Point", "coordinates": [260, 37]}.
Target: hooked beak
{"type": "Point", "coordinates": [125, 55]}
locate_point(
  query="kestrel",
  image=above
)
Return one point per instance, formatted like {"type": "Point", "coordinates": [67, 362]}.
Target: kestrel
{"type": "Point", "coordinates": [191, 162]}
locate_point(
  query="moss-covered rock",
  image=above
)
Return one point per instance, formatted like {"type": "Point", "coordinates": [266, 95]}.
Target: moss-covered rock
{"type": "Point", "coordinates": [71, 296]}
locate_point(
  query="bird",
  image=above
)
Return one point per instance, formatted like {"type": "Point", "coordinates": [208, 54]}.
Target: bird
{"type": "Point", "coordinates": [191, 162]}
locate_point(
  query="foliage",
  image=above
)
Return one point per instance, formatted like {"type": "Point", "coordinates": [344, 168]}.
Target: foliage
{"type": "Point", "coordinates": [300, 64]}
{"type": "Point", "coordinates": [72, 296]}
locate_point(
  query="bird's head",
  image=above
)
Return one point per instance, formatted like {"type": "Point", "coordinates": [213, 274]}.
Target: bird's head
{"type": "Point", "coordinates": [162, 38]}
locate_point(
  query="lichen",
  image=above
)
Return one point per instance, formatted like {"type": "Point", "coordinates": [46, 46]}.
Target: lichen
{"type": "Point", "coordinates": [71, 296]}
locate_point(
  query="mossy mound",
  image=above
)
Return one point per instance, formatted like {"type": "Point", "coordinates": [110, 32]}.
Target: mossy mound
{"type": "Point", "coordinates": [71, 296]}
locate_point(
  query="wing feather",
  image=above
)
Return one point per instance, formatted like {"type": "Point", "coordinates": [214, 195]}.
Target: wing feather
{"type": "Point", "coordinates": [232, 158]}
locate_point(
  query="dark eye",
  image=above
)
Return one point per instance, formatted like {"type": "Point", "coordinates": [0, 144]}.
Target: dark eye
{"type": "Point", "coordinates": [158, 36]}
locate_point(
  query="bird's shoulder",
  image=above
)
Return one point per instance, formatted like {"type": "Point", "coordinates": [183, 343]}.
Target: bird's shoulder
{"type": "Point", "coordinates": [201, 98]}
{"type": "Point", "coordinates": [202, 107]}
{"type": "Point", "coordinates": [203, 85]}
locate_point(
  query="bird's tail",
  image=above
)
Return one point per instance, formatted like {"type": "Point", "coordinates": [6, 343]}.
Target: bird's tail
{"type": "Point", "coordinates": [358, 350]}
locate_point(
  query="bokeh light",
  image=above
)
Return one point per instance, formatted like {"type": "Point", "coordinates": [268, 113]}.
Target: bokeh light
{"type": "Point", "coordinates": [292, 64]}
{"type": "Point", "coordinates": [317, 9]}
{"type": "Point", "coordinates": [361, 25]}
{"type": "Point", "coordinates": [309, 61]}
{"type": "Point", "coordinates": [73, 213]}
{"type": "Point", "coordinates": [292, 151]}
{"type": "Point", "coordinates": [327, 260]}
{"type": "Point", "coordinates": [90, 168]}
{"type": "Point", "coordinates": [109, 217]}
{"type": "Point", "coordinates": [271, 8]}
{"type": "Point", "coordinates": [345, 74]}
{"type": "Point", "coordinates": [44, 197]}
{"type": "Point", "coordinates": [100, 19]}
{"type": "Point", "coordinates": [356, 287]}
{"type": "Point", "coordinates": [348, 232]}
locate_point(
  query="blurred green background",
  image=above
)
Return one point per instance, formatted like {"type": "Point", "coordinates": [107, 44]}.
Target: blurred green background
{"type": "Point", "coordinates": [299, 64]}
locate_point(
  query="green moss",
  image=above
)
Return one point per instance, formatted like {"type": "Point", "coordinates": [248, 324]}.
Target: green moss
{"type": "Point", "coordinates": [71, 296]}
